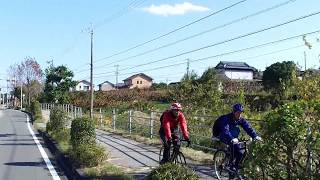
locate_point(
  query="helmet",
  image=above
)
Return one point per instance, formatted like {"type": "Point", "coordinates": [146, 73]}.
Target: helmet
{"type": "Point", "coordinates": [238, 108]}
{"type": "Point", "coordinates": [176, 106]}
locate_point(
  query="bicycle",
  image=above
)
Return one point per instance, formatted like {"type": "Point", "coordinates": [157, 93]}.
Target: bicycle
{"type": "Point", "coordinates": [176, 156]}
{"type": "Point", "coordinates": [222, 162]}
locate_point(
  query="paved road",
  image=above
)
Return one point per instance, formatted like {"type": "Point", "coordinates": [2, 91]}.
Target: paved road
{"type": "Point", "coordinates": [139, 157]}
{"type": "Point", "coordinates": [20, 155]}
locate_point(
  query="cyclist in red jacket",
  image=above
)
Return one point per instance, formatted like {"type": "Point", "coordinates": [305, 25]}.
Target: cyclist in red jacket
{"type": "Point", "coordinates": [170, 119]}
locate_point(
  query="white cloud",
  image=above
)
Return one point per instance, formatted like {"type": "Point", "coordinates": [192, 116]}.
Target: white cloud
{"type": "Point", "coordinates": [176, 9]}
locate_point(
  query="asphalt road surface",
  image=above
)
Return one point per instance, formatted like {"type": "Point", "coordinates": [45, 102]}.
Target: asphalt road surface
{"type": "Point", "coordinates": [138, 157]}
{"type": "Point", "coordinates": [23, 154]}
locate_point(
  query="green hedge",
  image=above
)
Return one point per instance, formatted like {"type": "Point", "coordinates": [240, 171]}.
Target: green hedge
{"type": "Point", "coordinates": [58, 120]}
{"type": "Point", "coordinates": [35, 110]}
{"type": "Point", "coordinates": [82, 132]}
{"type": "Point", "coordinates": [88, 155]}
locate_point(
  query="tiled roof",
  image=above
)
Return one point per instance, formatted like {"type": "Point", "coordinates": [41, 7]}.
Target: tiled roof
{"type": "Point", "coordinates": [234, 65]}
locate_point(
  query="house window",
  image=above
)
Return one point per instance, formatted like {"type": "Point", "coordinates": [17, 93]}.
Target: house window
{"type": "Point", "coordinates": [137, 82]}
{"type": "Point", "coordinates": [140, 82]}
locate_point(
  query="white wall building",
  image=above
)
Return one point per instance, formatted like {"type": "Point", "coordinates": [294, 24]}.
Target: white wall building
{"type": "Point", "coordinates": [236, 70]}
{"type": "Point", "coordinates": [83, 86]}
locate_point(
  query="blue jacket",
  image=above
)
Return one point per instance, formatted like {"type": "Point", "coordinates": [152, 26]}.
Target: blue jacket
{"type": "Point", "coordinates": [227, 128]}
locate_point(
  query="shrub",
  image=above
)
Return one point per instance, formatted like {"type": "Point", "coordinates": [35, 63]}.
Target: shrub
{"type": "Point", "coordinates": [82, 132]}
{"type": "Point", "coordinates": [62, 135]}
{"type": "Point", "coordinates": [88, 155]}
{"type": "Point", "coordinates": [58, 120]}
{"type": "Point", "coordinates": [172, 172]}
{"type": "Point", "coordinates": [290, 135]}
{"type": "Point", "coordinates": [35, 110]}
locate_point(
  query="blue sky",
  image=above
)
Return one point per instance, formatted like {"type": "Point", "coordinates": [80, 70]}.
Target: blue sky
{"type": "Point", "coordinates": [57, 30]}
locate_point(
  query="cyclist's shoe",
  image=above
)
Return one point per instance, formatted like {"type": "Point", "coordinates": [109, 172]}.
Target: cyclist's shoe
{"type": "Point", "coordinates": [163, 161]}
{"type": "Point", "coordinates": [232, 169]}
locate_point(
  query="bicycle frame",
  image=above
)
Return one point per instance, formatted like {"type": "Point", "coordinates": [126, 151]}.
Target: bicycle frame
{"type": "Point", "coordinates": [176, 156]}
{"type": "Point", "coordinates": [227, 160]}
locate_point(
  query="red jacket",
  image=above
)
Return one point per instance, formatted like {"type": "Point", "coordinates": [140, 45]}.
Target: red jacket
{"type": "Point", "coordinates": [169, 122]}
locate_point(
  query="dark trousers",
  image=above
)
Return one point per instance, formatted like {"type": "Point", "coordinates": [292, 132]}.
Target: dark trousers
{"type": "Point", "coordinates": [237, 152]}
{"type": "Point", "coordinates": [175, 139]}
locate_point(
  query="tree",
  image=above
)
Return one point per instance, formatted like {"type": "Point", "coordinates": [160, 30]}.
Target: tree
{"type": "Point", "coordinates": [58, 83]}
{"type": "Point", "coordinates": [308, 88]}
{"type": "Point", "coordinates": [29, 74]}
{"type": "Point", "coordinates": [199, 93]}
{"type": "Point", "coordinates": [279, 77]}
{"type": "Point", "coordinates": [159, 86]}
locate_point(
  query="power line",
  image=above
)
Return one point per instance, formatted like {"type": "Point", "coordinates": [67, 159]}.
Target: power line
{"type": "Point", "coordinates": [203, 32]}
{"type": "Point", "coordinates": [226, 41]}
{"type": "Point", "coordinates": [173, 31]}
{"type": "Point", "coordinates": [120, 13]}
{"type": "Point", "coordinates": [206, 58]}
{"type": "Point", "coordinates": [234, 52]}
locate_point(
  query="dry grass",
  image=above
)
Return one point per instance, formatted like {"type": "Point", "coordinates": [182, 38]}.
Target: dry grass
{"type": "Point", "coordinates": [195, 155]}
{"type": "Point", "coordinates": [106, 171]}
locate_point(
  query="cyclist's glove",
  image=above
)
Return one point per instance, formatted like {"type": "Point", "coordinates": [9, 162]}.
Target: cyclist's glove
{"type": "Point", "coordinates": [235, 141]}
{"type": "Point", "coordinates": [258, 138]}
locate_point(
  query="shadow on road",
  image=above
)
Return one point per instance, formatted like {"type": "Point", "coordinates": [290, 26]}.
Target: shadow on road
{"type": "Point", "coordinates": [39, 164]}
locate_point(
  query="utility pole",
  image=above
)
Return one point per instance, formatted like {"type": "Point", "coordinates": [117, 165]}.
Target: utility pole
{"type": "Point", "coordinates": [305, 60]}
{"type": "Point", "coordinates": [7, 95]}
{"type": "Point", "coordinates": [117, 74]}
{"type": "Point", "coordinates": [21, 96]}
{"type": "Point", "coordinates": [188, 67]}
{"type": "Point", "coordinates": [91, 73]}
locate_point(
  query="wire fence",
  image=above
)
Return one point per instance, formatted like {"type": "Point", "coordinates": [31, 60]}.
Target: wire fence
{"type": "Point", "coordinates": [146, 123]}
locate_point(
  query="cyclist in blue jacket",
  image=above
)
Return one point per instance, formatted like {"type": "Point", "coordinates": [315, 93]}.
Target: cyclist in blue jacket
{"type": "Point", "coordinates": [226, 129]}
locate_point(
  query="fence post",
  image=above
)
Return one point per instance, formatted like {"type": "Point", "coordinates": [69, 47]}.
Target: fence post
{"type": "Point", "coordinates": [130, 121]}
{"type": "Point", "coordinates": [100, 111]}
{"type": "Point", "coordinates": [80, 111]}
{"type": "Point", "coordinates": [68, 109]}
{"type": "Point", "coordinates": [76, 112]}
{"type": "Point", "coordinates": [151, 124]}
{"type": "Point", "coordinates": [114, 119]}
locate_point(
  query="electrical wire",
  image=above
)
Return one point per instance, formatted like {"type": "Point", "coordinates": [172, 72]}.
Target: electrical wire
{"type": "Point", "coordinates": [226, 41]}
{"type": "Point", "coordinates": [237, 51]}
{"type": "Point", "coordinates": [201, 33]}
{"type": "Point", "coordinates": [173, 31]}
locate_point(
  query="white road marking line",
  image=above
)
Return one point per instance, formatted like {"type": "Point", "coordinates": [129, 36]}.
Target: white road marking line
{"type": "Point", "coordinates": [44, 155]}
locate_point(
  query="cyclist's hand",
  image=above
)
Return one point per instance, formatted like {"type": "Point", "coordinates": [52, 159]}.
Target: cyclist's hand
{"type": "Point", "coordinates": [168, 142]}
{"type": "Point", "coordinates": [235, 141]}
{"type": "Point", "coordinates": [189, 142]}
{"type": "Point", "coordinates": [258, 138]}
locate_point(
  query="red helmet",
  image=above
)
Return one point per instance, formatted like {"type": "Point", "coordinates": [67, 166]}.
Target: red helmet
{"type": "Point", "coordinates": [176, 106]}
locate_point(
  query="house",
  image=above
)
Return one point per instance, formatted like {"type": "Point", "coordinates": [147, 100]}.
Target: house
{"type": "Point", "coordinates": [235, 70]}
{"type": "Point", "coordinates": [106, 86]}
{"type": "Point", "coordinates": [121, 86]}
{"type": "Point", "coordinates": [83, 85]}
{"type": "Point", "coordinates": [141, 81]}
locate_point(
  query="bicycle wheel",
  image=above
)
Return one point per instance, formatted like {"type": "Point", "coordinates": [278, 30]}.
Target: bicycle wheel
{"type": "Point", "coordinates": [179, 158]}
{"type": "Point", "coordinates": [220, 162]}
{"type": "Point", "coordinates": [161, 152]}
